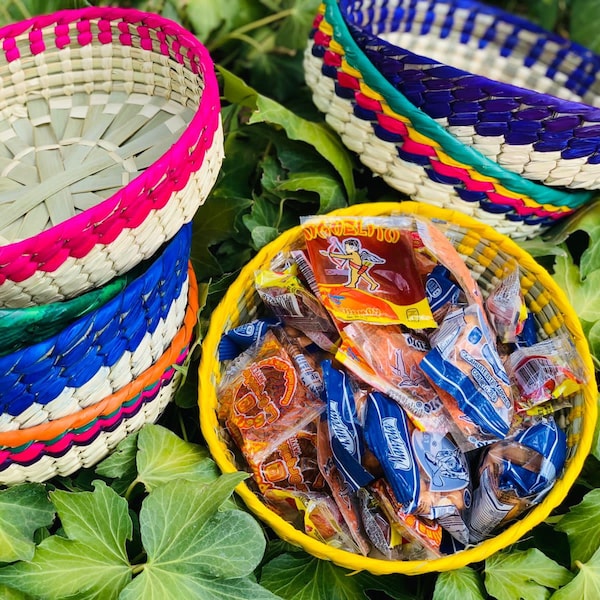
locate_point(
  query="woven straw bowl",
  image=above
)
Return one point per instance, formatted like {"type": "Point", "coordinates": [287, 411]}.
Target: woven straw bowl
{"type": "Point", "coordinates": [410, 150]}
{"type": "Point", "coordinates": [110, 140]}
{"type": "Point", "coordinates": [101, 352]}
{"type": "Point", "coordinates": [485, 252]}
{"type": "Point", "coordinates": [81, 439]}
{"type": "Point", "coordinates": [524, 97]}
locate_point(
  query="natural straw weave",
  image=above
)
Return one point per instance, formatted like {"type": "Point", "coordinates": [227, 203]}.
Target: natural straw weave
{"type": "Point", "coordinates": [101, 352]}
{"type": "Point", "coordinates": [412, 152]}
{"type": "Point", "coordinates": [524, 97]}
{"type": "Point", "coordinates": [110, 140]}
{"type": "Point", "coordinates": [486, 252]}
{"type": "Point", "coordinates": [67, 444]}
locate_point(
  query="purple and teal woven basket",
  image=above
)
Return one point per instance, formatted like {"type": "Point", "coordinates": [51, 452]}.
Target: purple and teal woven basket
{"type": "Point", "coordinates": [527, 98]}
{"type": "Point", "coordinates": [409, 149]}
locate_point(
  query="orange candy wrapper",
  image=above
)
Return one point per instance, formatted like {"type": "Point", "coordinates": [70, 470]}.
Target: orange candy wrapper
{"type": "Point", "coordinates": [365, 270]}
{"type": "Point", "coordinates": [263, 401]}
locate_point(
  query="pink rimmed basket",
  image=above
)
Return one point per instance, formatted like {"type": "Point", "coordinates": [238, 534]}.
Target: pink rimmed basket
{"type": "Point", "coordinates": [110, 140]}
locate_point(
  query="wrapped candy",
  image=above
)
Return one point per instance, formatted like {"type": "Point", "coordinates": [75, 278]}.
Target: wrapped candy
{"type": "Point", "coordinates": [514, 475]}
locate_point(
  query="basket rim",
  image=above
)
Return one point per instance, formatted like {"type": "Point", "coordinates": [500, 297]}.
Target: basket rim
{"type": "Point", "coordinates": [207, 400]}
{"type": "Point", "coordinates": [51, 429]}
{"type": "Point", "coordinates": [564, 43]}
{"type": "Point", "coordinates": [424, 124]}
{"type": "Point", "coordinates": [195, 138]}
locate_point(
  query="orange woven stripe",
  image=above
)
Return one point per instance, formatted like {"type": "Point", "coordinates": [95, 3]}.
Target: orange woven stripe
{"type": "Point", "coordinates": [51, 429]}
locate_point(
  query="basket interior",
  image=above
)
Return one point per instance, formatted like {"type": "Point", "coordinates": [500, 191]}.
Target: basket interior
{"type": "Point", "coordinates": [485, 43]}
{"type": "Point", "coordinates": [79, 122]}
{"type": "Point", "coordinates": [486, 259]}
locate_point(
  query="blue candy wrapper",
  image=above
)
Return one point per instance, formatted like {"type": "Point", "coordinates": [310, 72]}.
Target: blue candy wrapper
{"type": "Point", "coordinates": [235, 341]}
{"type": "Point", "coordinates": [549, 441]}
{"type": "Point", "coordinates": [345, 431]}
{"type": "Point", "coordinates": [388, 436]}
{"type": "Point", "coordinates": [440, 290]}
{"type": "Point", "coordinates": [516, 474]}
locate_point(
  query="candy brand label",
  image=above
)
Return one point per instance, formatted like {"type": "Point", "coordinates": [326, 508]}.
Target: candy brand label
{"type": "Point", "coordinates": [340, 430]}
{"type": "Point", "coordinates": [443, 463]}
{"type": "Point", "coordinates": [397, 450]}
{"type": "Point", "coordinates": [267, 385]}
{"type": "Point", "coordinates": [488, 384]}
{"type": "Point", "coordinates": [358, 227]}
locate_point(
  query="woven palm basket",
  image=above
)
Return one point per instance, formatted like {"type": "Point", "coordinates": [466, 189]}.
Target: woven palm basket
{"type": "Point", "coordinates": [486, 252]}
{"type": "Point", "coordinates": [81, 439]}
{"type": "Point", "coordinates": [106, 349]}
{"type": "Point", "coordinates": [524, 97]}
{"type": "Point", "coordinates": [410, 150]}
{"type": "Point", "coordinates": [110, 140]}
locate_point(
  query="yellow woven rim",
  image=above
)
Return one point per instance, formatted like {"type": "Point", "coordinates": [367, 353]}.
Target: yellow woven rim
{"type": "Point", "coordinates": [481, 244]}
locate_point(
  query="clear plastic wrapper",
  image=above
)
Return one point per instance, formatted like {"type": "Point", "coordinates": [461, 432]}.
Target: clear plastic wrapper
{"type": "Point", "coordinates": [388, 359]}
{"type": "Point", "coordinates": [387, 433]}
{"type": "Point", "coordinates": [514, 475]}
{"type": "Point", "coordinates": [263, 401]}
{"type": "Point", "coordinates": [506, 308]}
{"type": "Point", "coordinates": [320, 517]}
{"type": "Point", "coordinates": [345, 429]}
{"type": "Point", "coordinates": [546, 371]}
{"type": "Point", "coordinates": [365, 270]}
{"type": "Point", "coordinates": [295, 305]}
{"type": "Point", "coordinates": [238, 339]}
{"type": "Point", "coordinates": [293, 465]}
{"type": "Point", "coordinates": [421, 537]}
{"type": "Point", "coordinates": [344, 496]}
{"type": "Point", "coordinates": [465, 367]}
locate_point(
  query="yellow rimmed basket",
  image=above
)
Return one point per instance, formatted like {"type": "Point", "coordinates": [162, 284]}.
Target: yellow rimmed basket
{"type": "Point", "coordinates": [485, 251]}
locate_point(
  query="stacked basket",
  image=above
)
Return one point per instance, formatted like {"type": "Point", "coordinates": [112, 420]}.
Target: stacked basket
{"type": "Point", "coordinates": [493, 146]}
{"type": "Point", "coordinates": [111, 140]}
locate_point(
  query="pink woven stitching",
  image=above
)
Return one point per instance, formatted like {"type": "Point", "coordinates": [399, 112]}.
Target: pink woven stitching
{"type": "Point", "coordinates": [149, 191]}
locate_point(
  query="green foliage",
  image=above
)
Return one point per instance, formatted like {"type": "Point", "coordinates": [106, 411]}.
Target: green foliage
{"type": "Point", "coordinates": [155, 520]}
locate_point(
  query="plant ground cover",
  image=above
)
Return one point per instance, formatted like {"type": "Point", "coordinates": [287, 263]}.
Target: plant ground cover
{"type": "Point", "coordinates": [155, 519]}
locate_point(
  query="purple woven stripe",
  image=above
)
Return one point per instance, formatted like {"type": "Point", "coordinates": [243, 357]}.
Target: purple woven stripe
{"type": "Point", "coordinates": [475, 197]}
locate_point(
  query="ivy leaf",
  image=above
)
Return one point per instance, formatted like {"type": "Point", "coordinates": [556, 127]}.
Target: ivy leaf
{"type": "Point", "coordinates": [206, 16]}
{"type": "Point", "coordinates": [585, 21]}
{"type": "Point", "coordinates": [164, 457]}
{"type": "Point", "coordinates": [303, 577]}
{"type": "Point", "coordinates": [523, 574]}
{"type": "Point", "coordinates": [192, 546]}
{"type": "Point", "coordinates": [23, 510]}
{"type": "Point", "coordinates": [294, 31]}
{"type": "Point", "coordinates": [582, 293]}
{"type": "Point", "coordinates": [582, 526]}
{"type": "Point", "coordinates": [318, 135]}
{"type": "Point", "coordinates": [462, 584]}
{"type": "Point", "coordinates": [24, 9]}
{"type": "Point", "coordinates": [327, 187]}
{"type": "Point", "coordinates": [586, 584]}
{"type": "Point", "coordinates": [91, 562]}
{"type": "Point", "coordinates": [121, 463]}
{"type": "Point", "coordinates": [7, 593]}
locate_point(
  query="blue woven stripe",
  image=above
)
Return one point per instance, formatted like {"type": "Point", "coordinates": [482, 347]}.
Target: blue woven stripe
{"type": "Point", "coordinates": [506, 32]}
{"type": "Point", "coordinates": [40, 372]}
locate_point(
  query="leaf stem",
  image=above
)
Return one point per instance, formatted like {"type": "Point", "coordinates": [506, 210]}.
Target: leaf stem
{"type": "Point", "coordinates": [236, 33]}
{"type": "Point", "coordinates": [138, 568]}
{"type": "Point", "coordinates": [130, 488]}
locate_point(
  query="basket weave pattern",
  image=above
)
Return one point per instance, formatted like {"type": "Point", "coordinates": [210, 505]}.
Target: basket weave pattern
{"type": "Point", "coordinates": [81, 439]}
{"type": "Point", "coordinates": [408, 150]}
{"type": "Point", "coordinates": [111, 139]}
{"type": "Point", "coordinates": [486, 253]}
{"type": "Point", "coordinates": [511, 89]}
{"type": "Point", "coordinates": [105, 350]}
